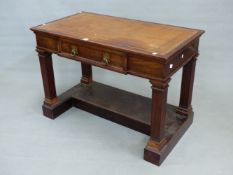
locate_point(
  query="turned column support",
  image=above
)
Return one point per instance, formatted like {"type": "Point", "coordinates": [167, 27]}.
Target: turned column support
{"type": "Point", "coordinates": [158, 108]}
{"type": "Point", "coordinates": [185, 106]}
{"type": "Point", "coordinates": [46, 66]}
{"type": "Point", "coordinates": [86, 73]}
{"type": "Point", "coordinates": [158, 140]}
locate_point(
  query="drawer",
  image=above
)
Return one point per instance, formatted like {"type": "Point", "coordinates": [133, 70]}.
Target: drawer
{"type": "Point", "coordinates": [94, 55]}
{"type": "Point", "coordinates": [47, 42]}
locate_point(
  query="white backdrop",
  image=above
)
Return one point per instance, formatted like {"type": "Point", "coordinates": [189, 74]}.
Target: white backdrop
{"type": "Point", "coordinates": [80, 143]}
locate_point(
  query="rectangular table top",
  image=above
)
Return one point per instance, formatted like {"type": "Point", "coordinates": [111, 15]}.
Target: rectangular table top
{"type": "Point", "coordinates": [121, 33]}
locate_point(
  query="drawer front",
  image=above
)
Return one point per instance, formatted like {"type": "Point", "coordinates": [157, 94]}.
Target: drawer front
{"type": "Point", "coordinates": [144, 67]}
{"type": "Point", "coordinates": [97, 56]}
{"type": "Point", "coordinates": [47, 42]}
{"type": "Point", "coordinates": [180, 59]}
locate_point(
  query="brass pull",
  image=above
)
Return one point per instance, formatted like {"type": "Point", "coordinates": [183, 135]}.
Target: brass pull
{"type": "Point", "coordinates": [106, 58]}
{"type": "Point", "coordinates": [74, 51]}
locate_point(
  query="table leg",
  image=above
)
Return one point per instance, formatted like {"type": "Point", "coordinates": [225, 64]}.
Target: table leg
{"type": "Point", "coordinates": [158, 121]}
{"type": "Point", "coordinates": [86, 73]}
{"type": "Point", "coordinates": [46, 66]}
{"type": "Point", "coordinates": [185, 107]}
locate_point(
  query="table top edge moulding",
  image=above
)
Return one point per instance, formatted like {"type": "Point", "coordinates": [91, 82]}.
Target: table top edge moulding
{"type": "Point", "coordinates": [144, 49]}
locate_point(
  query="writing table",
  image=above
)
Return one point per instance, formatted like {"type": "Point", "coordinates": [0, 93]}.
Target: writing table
{"type": "Point", "coordinates": [144, 49]}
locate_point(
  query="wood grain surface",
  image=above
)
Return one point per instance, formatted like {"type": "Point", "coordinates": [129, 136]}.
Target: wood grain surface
{"type": "Point", "coordinates": [126, 34]}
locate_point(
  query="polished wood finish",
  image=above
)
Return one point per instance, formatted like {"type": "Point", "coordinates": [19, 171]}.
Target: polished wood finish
{"type": "Point", "coordinates": [187, 88]}
{"type": "Point", "coordinates": [186, 91]}
{"type": "Point", "coordinates": [127, 109]}
{"type": "Point", "coordinates": [46, 65]}
{"type": "Point", "coordinates": [86, 73]}
{"type": "Point", "coordinates": [132, 51]}
{"type": "Point", "coordinates": [158, 112]}
{"type": "Point", "coordinates": [89, 98]}
{"type": "Point", "coordinates": [149, 50]}
{"type": "Point", "coordinates": [120, 33]}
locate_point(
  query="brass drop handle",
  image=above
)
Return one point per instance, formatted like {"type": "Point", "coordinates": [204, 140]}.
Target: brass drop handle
{"type": "Point", "coordinates": [106, 58]}
{"type": "Point", "coordinates": [74, 51]}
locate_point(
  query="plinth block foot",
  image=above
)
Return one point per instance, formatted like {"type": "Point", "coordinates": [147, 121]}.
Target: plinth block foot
{"type": "Point", "coordinates": [53, 111]}
{"type": "Point", "coordinates": [155, 152]}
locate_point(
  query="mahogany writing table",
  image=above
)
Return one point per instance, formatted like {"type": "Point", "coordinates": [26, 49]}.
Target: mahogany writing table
{"type": "Point", "coordinates": [149, 50]}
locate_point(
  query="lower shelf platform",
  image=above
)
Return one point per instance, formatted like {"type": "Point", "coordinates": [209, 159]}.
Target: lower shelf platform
{"type": "Point", "coordinates": [125, 108]}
